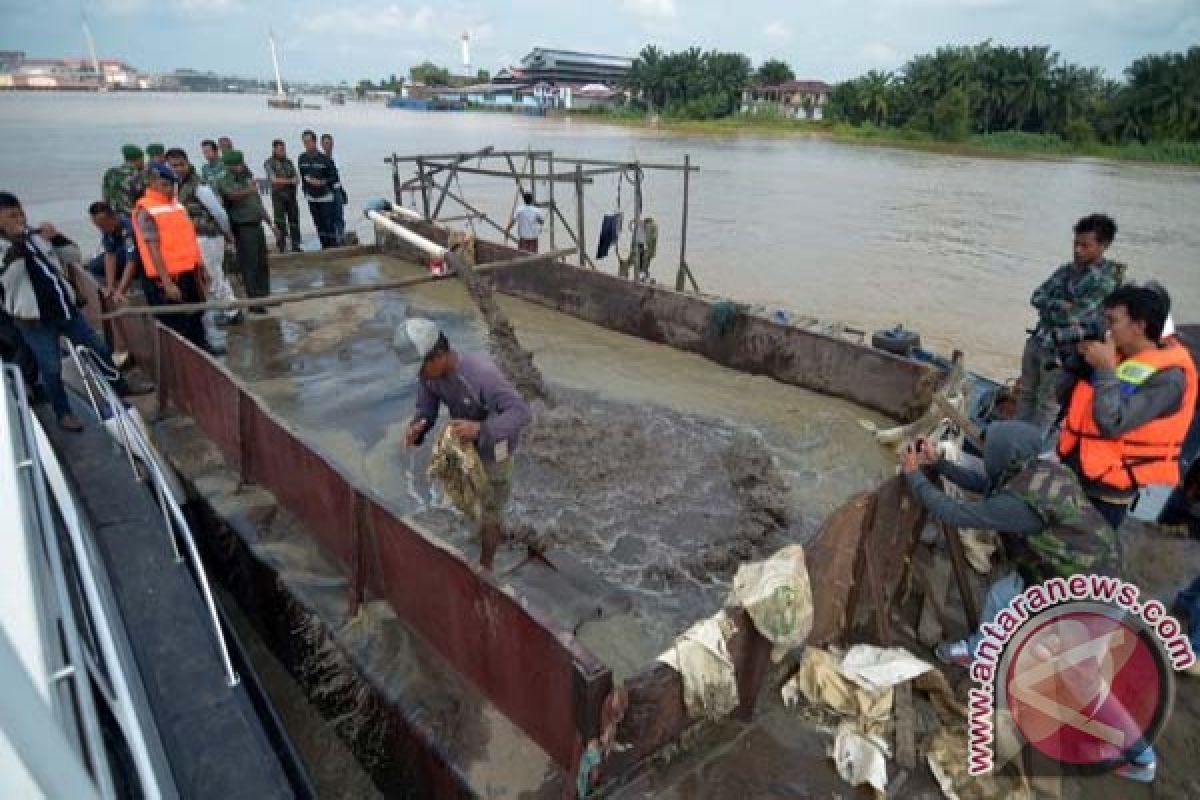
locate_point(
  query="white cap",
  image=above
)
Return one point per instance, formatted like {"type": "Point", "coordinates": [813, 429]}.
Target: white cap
{"type": "Point", "coordinates": [423, 334]}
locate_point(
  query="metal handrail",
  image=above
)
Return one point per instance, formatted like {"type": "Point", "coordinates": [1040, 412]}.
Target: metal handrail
{"type": "Point", "coordinates": [74, 670]}
{"type": "Point", "coordinates": [93, 371]}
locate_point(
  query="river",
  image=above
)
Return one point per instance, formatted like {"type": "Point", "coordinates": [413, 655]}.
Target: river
{"type": "Point", "coordinates": [872, 236]}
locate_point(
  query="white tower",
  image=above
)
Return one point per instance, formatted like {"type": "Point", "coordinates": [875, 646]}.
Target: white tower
{"type": "Point", "coordinates": [466, 53]}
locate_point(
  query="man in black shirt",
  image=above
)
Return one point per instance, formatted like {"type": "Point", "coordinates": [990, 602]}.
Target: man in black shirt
{"type": "Point", "coordinates": [318, 176]}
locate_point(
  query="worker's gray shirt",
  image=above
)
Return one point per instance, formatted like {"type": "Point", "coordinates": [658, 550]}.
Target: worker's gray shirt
{"type": "Point", "coordinates": [1115, 414]}
{"type": "Point", "coordinates": [999, 511]}
{"type": "Point", "coordinates": [478, 391]}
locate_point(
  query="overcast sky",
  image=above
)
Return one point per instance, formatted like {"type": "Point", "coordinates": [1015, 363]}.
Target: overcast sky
{"type": "Point", "coordinates": [352, 39]}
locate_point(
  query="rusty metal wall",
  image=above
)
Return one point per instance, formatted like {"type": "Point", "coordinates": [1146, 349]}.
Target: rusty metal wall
{"type": "Point", "coordinates": [536, 674]}
{"type": "Point", "coordinates": [895, 386]}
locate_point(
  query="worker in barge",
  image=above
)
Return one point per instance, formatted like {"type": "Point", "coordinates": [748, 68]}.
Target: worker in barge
{"type": "Point", "coordinates": [485, 409]}
{"type": "Point", "coordinates": [1051, 530]}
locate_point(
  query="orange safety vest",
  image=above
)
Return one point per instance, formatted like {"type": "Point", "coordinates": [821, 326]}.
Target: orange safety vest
{"type": "Point", "coordinates": [1145, 455]}
{"type": "Point", "coordinates": [177, 241]}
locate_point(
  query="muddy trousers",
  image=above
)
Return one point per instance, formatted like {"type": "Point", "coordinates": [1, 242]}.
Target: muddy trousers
{"type": "Point", "coordinates": [1038, 402]}
{"type": "Point", "coordinates": [251, 245]}
{"type": "Point", "coordinates": [287, 218]}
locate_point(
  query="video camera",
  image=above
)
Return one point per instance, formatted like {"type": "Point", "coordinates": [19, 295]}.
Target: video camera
{"type": "Point", "coordinates": [1091, 329]}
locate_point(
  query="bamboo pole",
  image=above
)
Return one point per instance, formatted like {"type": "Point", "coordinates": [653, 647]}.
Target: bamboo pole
{"type": "Point", "coordinates": [328, 291]}
{"type": "Point", "coordinates": [582, 239]}
{"type": "Point", "coordinates": [550, 190]}
{"type": "Point", "coordinates": [424, 189]}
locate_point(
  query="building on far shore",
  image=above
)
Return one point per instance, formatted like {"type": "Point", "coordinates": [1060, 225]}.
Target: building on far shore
{"type": "Point", "coordinates": [544, 65]}
{"type": "Point", "coordinates": [19, 72]}
{"type": "Point", "coordinates": [549, 80]}
{"type": "Point", "coordinates": [798, 99]}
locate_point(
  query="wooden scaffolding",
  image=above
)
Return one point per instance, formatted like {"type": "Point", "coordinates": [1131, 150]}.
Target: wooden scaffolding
{"type": "Point", "coordinates": [436, 180]}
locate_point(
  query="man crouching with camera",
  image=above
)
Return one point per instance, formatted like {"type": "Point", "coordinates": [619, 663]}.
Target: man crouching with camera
{"type": "Point", "coordinates": [1127, 416]}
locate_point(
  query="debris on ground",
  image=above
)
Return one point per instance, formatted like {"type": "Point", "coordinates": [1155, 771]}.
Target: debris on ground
{"type": "Point", "coordinates": [776, 594]}
{"type": "Point", "coordinates": [701, 657]}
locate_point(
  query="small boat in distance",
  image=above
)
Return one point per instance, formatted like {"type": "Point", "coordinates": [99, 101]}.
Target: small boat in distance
{"type": "Point", "coordinates": [281, 99]}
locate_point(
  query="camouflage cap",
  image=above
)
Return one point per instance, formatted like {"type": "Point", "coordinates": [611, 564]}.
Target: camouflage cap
{"type": "Point", "coordinates": [155, 149]}
{"type": "Point", "coordinates": [231, 158]}
{"type": "Point", "coordinates": [131, 152]}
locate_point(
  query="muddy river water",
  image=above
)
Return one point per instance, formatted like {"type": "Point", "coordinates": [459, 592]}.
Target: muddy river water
{"type": "Point", "coordinates": [871, 236]}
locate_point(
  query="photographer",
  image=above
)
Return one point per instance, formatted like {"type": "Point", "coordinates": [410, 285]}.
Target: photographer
{"type": "Point", "coordinates": [1033, 502]}
{"type": "Point", "coordinates": [1126, 422]}
{"type": "Point", "coordinates": [1068, 305]}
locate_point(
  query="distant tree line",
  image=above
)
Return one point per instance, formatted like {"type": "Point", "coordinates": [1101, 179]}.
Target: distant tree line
{"type": "Point", "coordinates": [690, 83]}
{"type": "Point", "coordinates": [426, 73]}
{"type": "Point", "coordinates": [988, 88]}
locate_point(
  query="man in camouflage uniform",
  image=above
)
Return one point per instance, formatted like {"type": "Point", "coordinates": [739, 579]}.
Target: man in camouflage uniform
{"type": "Point", "coordinates": [1051, 528]}
{"type": "Point", "coordinates": [247, 216]}
{"type": "Point", "coordinates": [123, 185]}
{"type": "Point", "coordinates": [212, 168]}
{"type": "Point", "coordinates": [1072, 298]}
{"type": "Point", "coordinates": [156, 153]}
{"type": "Point", "coordinates": [213, 231]}
{"type": "Point", "coordinates": [285, 181]}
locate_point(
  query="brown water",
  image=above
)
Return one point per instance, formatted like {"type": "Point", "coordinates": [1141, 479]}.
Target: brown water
{"type": "Point", "coordinates": [950, 245]}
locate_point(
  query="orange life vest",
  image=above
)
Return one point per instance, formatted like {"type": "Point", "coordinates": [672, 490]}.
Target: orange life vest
{"type": "Point", "coordinates": [1145, 455]}
{"type": "Point", "coordinates": [177, 243]}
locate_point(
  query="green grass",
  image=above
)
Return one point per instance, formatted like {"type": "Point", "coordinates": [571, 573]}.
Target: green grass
{"type": "Point", "coordinates": [1004, 144]}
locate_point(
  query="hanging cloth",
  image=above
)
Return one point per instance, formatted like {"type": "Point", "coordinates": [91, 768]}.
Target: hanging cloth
{"type": "Point", "coordinates": [610, 233]}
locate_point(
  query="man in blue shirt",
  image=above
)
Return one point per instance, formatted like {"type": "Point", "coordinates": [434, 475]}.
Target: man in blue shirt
{"type": "Point", "coordinates": [116, 267]}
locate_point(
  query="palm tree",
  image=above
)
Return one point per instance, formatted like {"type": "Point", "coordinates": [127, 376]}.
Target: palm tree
{"type": "Point", "coordinates": [875, 91]}
{"type": "Point", "coordinates": [1030, 86]}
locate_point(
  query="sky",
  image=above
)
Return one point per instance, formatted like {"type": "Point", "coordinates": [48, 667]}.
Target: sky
{"type": "Point", "coordinates": [324, 40]}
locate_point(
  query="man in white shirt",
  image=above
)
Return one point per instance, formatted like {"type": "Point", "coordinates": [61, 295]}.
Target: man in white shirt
{"type": "Point", "coordinates": [529, 221]}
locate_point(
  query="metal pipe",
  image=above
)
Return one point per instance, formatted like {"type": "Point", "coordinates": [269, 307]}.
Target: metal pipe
{"type": "Point", "coordinates": [412, 237]}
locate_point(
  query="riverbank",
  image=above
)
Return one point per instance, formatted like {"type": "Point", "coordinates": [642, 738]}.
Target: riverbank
{"type": "Point", "coordinates": [1005, 144]}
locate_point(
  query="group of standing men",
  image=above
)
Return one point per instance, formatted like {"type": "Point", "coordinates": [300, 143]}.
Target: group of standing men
{"type": "Point", "coordinates": [224, 208]}
{"type": "Point", "coordinates": [169, 226]}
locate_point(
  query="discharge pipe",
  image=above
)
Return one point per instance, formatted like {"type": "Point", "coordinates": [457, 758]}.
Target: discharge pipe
{"type": "Point", "coordinates": [375, 211]}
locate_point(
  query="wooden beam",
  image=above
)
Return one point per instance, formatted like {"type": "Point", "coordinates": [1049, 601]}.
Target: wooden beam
{"type": "Point", "coordinates": [491, 153]}
{"type": "Point", "coordinates": [328, 291]}
{"type": "Point", "coordinates": [565, 177]}
{"type": "Point", "coordinates": [582, 240]}
{"type": "Point", "coordinates": [962, 575]}
{"type": "Point", "coordinates": [442, 197]}
{"type": "Point", "coordinates": [602, 163]}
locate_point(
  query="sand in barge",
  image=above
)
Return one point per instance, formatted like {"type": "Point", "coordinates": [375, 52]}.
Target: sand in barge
{"type": "Point", "coordinates": [656, 473]}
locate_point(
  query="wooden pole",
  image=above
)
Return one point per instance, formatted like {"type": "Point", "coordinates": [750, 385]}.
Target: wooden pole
{"type": "Point", "coordinates": [683, 268]}
{"type": "Point", "coordinates": [396, 181]}
{"type": "Point", "coordinates": [424, 189]}
{"type": "Point", "coordinates": [442, 198]}
{"type": "Point", "coordinates": [581, 238]}
{"type": "Point", "coordinates": [550, 190]}
{"type": "Point", "coordinates": [962, 575]}
{"type": "Point", "coordinates": [328, 291]}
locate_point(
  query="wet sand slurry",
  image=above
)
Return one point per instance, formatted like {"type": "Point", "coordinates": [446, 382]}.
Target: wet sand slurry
{"type": "Point", "coordinates": [654, 474]}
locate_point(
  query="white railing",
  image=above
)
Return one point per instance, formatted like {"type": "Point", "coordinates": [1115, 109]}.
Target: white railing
{"type": "Point", "coordinates": [126, 428]}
